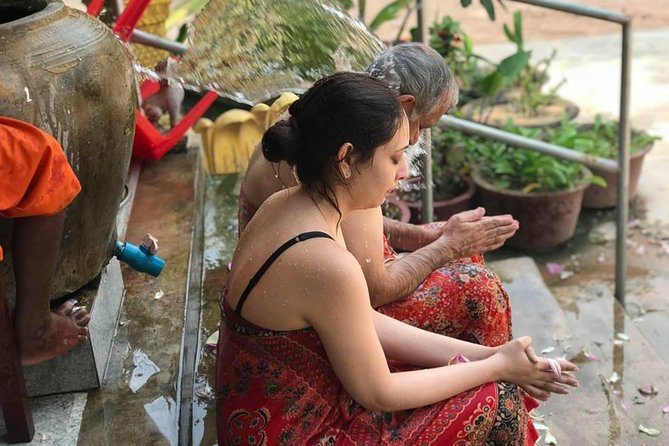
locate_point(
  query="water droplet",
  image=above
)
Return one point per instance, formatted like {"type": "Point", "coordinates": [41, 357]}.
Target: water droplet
{"type": "Point", "coordinates": [368, 260]}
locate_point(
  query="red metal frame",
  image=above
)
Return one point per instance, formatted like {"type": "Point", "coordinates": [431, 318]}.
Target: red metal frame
{"type": "Point", "coordinates": [149, 143]}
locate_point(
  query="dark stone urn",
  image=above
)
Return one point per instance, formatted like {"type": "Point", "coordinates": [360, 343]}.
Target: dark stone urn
{"type": "Point", "coordinates": [67, 74]}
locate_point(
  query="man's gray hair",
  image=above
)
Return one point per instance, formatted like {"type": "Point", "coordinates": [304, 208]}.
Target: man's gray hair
{"type": "Point", "coordinates": [418, 70]}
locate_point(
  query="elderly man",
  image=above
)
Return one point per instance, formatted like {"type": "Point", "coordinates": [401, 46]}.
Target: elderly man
{"type": "Point", "coordinates": [36, 184]}
{"type": "Point", "coordinates": [442, 285]}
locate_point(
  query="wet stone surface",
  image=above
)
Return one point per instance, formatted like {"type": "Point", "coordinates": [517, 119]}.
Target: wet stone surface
{"type": "Point", "coordinates": [138, 402]}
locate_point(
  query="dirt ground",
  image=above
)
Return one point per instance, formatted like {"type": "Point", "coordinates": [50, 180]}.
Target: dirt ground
{"type": "Point", "coordinates": [539, 23]}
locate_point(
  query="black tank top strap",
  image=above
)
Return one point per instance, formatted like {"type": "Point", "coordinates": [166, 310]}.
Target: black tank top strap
{"type": "Point", "coordinates": [265, 266]}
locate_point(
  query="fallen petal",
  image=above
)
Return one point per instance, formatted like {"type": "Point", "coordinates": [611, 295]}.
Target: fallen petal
{"type": "Point", "coordinates": [547, 350]}
{"type": "Point", "coordinates": [649, 430]}
{"type": "Point", "coordinates": [622, 336]}
{"type": "Point", "coordinates": [665, 246]}
{"type": "Point", "coordinates": [614, 378]}
{"type": "Point", "coordinates": [159, 294]}
{"type": "Point", "coordinates": [212, 340]}
{"type": "Point", "coordinates": [592, 411]}
{"type": "Point", "coordinates": [640, 250]}
{"type": "Point", "coordinates": [624, 406]}
{"type": "Point", "coordinates": [540, 426]}
{"type": "Point", "coordinates": [590, 356]}
{"type": "Point", "coordinates": [537, 416]}
{"type": "Point", "coordinates": [549, 438]}
{"type": "Point", "coordinates": [648, 390]}
{"type": "Point", "coordinates": [665, 409]}
{"type": "Point", "coordinates": [566, 274]}
{"type": "Point", "coordinates": [554, 268]}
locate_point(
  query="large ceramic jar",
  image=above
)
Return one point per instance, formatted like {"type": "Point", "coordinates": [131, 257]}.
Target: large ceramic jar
{"type": "Point", "coordinates": [67, 74]}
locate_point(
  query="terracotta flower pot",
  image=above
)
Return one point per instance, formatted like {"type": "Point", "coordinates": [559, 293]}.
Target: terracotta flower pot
{"type": "Point", "coordinates": [497, 112]}
{"type": "Point", "coordinates": [546, 219]}
{"type": "Point", "coordinates": [397, 209]}
{"type": "Point", "coordinates": [598, 197]}
{"type": "Point", "coordinates": [443, 209]}
{"type": "Point", "coordinates": [67, 74]}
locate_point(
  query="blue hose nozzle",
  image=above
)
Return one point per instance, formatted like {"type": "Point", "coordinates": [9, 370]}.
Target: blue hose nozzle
{"type": "Point", "coordinates": [139, 258]}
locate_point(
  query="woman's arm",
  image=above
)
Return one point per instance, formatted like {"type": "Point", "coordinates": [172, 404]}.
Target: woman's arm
{"type": "Point", "coordinates": [426, 349]}
{"type": "Point", "coordinates": [408, 237]}
{"type": "Point", "coordinates": [363, 231]}
{"type": "Point", "coordinates": [336, 304]}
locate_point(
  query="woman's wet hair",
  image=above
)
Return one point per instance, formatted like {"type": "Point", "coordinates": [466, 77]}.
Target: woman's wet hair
{"type": "Point", "coordinates": [343, 108]}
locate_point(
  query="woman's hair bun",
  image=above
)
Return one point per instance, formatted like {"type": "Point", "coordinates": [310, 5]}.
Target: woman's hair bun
{"type": "Point", "coordinates": [281, 142]}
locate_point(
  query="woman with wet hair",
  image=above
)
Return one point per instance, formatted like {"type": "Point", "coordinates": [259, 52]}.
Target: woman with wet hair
{"type": "Point", "coordinates": [303, 358]}
{"type": "Point", "coordinates": [441, 284]}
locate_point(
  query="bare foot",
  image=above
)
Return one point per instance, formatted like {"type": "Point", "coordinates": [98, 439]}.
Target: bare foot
{"type": "Point", "coordinates": [66, 328]}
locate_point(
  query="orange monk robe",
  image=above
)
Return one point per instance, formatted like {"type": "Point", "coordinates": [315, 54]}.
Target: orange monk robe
{"type": "Point", "coordinates": [35, 177]}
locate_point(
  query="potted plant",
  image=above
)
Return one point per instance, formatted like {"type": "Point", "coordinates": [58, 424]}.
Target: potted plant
{"type": "Point", "coordinates": [456, 47]}
{"type": "Point", "coordinates": [601, 139]}
{"type": "Point", "coordinates": [542, 192]}
{"type": "Point", "coordinates": [517, 90]}
{"type": "Point", "coordinates": [396, 209]}
{"type": "Point", "coordinates": [452, 187]}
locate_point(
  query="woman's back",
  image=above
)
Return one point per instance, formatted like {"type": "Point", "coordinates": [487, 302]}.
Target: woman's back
{"type": "Point", "coordinates": [302, 355]}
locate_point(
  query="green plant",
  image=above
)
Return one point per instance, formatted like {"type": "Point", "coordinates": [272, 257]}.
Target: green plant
{"type": "Point", "coordinates": [448, 163]}
{"type": "Point", "coordinates": [600, 139]}
{"type": "Point", "coordinates": [510, 67]}
{"type": "Point", "coordinates": [487, 4]}
{"type": "Point", "coordinates": [457, 49]}
{"type": "Point", "coordinates": [449, 166]}
{"type": "Point", "coordinates": [521, 169]}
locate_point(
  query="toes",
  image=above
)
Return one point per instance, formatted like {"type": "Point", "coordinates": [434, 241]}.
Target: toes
{"type": "Point", "coordinates": [67, 307]}
{"type": "Point", "coordinates": [82, 318]}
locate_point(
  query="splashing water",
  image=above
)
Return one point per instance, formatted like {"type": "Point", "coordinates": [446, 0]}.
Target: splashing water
{"type": "Point", "coordinates": [414, 156]}
{"type": "Point", "coordinates": [255, 49]}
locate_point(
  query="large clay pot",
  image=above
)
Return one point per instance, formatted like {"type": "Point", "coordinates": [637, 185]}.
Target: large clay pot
{"type": "Point", "coordinates": [442, 209]}
{"type": "Point", "coordinates": [598, 197]}
{"type": "Point", "coordinates": [546, 219]}
{"type": "Point", "coordinates": [67, 74]}
{"type": "Point", "coordinates": [497, 112]}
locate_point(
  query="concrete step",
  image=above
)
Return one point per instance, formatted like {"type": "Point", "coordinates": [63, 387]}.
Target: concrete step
{"type": "Point", "coordinates": [609, 333]}
{"type": "Point", "coordinates": [600, 411]}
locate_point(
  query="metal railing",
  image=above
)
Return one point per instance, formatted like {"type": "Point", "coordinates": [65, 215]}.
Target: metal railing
{"type": "Point", "coordinates": [621, 166]}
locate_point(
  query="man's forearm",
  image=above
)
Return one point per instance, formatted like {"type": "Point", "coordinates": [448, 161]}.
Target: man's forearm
{"type": "Point", "coordinates": [407, 237]}
{"type": "Point", "coordinates": [405, 274]}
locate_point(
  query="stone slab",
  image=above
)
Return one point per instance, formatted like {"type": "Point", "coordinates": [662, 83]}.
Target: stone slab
{"type": "Point", "coordinates": [536, 313]}
{"type": "Point", "coordinates": [83, 368]}
{"type": "Point", "coordinates": [57, 420]}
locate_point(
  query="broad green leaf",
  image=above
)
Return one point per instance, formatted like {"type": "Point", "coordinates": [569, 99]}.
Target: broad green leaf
{"type": "Point", "coordinates": [489, 8]}
{"type": "Point", "coordinates": [649, 430]}
{"type": "Point", "coordinates": [389, 12]}
{"type": "Point", "coordinates": [511, 66]}
{"type": "Point", "coordinates": [465, 3]}
{"type": "Point", "coordinates": [492, 83]}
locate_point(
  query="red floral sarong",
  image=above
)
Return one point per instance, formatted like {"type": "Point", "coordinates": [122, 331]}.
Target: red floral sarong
{"type": "Point", "coordinates": [464, 299]}
{"type": "Point", "coordinates": [278, 388]}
